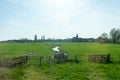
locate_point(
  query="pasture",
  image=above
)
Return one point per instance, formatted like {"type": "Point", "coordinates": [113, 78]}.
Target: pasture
{"type": "Point", "coordinates": [84, 70]}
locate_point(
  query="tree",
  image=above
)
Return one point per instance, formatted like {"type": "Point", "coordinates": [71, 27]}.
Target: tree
{"type": "Point", "coordinates": [118, 35]}
{"type": "Point", "coordinates": [103, 38]}
{"type": "Point", "coordinates": [104, 35]}
{"type": "Point", "coordinates": [115, 35]}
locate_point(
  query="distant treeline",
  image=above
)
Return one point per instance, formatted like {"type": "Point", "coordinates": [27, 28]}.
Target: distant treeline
{"type": "Point", "coordinates": [112, 37]}
{"type": "Point", "coordinates": [53, 40]}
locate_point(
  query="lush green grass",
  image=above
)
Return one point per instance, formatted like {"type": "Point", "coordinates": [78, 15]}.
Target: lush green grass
{"type": "Point", "coordinates": [83, 70]}
{"type": "Point", "coordinates": [18, 49]}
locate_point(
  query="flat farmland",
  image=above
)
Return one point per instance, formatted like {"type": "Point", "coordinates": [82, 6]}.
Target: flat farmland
{"type": "Point", "coordinates": [84, 70]}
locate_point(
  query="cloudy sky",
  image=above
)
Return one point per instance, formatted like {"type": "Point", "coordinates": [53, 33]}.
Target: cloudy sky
{"type": "Point", "coordinates": [57, 18]}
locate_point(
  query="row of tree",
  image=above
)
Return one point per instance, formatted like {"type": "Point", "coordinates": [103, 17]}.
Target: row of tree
{"type": "Point", "coordinates": [25, 40]}
{"type": "Point", "coordinates": [112, 37]}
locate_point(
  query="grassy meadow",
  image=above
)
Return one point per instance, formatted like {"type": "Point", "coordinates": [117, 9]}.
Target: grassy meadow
{"type": "Point", "coordinates": [84, 70]}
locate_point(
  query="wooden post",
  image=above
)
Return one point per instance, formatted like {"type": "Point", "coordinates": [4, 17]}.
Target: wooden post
{"type": "Point", "coordinates": [76, 60]}
{"type": "Point", "coordinates": [26, 59]}
{"type": "Point", "coordinates": [40, 61]}
{"type": "Point", "coordinates": [108, 58]}
{"type": "Point", "coordinates": [48, 60]}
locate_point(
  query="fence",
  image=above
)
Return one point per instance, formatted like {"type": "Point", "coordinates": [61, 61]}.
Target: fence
{"type": "Point", "coordinates": [99, 58]}
{"type": "Point", "coordinates": [14, 62]}
{"type": "Point", "coordinates": [48, 60]}
{"type": "Point", "coordinates": [19, 60]}
{"type": "Point", "coordinates": [41, 60]}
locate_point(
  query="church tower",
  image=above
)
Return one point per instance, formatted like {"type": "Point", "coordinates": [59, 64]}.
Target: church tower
{"type": "Point", "coordinates": [77, 36]}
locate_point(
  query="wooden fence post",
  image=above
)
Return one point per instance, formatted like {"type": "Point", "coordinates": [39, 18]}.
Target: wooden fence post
{"type": "Point", "coordinates": [40, 61]}
{"type": "Point", "coordinates": [76, 60]}
{"type": "Point", "coordinates": [48, 60]}
{"type": "Point", "coordinates": [108, 58]}
{"type": "Point", "coordinates": [26, 59]}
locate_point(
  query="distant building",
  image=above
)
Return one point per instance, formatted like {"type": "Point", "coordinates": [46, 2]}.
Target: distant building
{"type": "Point", "coordinates": [43, 37]}
{"type": "Point", "coordinates": [75, 39]}
{"type": "Point", "coordinates": [35, 38]}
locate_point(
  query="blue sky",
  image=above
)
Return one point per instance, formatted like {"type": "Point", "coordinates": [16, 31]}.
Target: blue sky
{"type": "Point", "coordinates": [57, 18]}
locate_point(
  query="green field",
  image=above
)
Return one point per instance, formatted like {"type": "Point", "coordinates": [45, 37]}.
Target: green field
{"type": "Point", "coordinates": [84, 70]}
